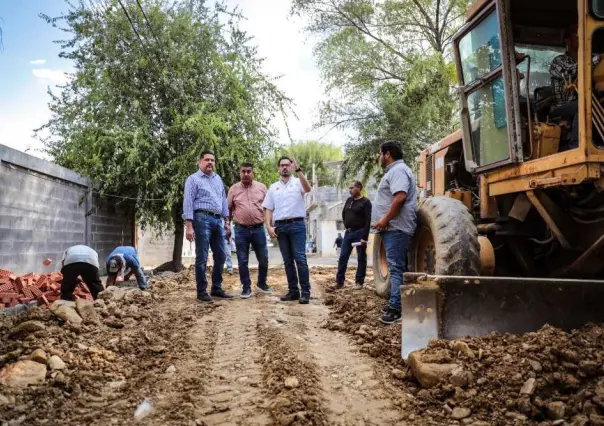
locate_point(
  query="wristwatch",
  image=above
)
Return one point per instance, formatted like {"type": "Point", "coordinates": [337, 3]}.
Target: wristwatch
{"type": "Point", "coordinates": [298, 170]}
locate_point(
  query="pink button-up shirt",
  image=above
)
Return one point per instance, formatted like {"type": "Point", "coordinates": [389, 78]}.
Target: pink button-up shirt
{"type": "Point", "coordinates": [245, 203]}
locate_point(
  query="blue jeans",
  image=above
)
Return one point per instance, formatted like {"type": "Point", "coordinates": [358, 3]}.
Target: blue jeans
{"type": "Point", "coordinates": [209, 232]}
{"type": "Point", "coordinates": [397, 245]}
{"type": "Point", "coordinates": [292, 238]}
{"type": "Point", "coordinates": [345, 252]}
{"type": "Point", "coordinates": [257, 238]}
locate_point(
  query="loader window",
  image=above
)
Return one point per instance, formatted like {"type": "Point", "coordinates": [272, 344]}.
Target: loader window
{"type": "Point", "coordinates": [488, 123]}
{"type": "Point", "coordinates": [480, 50]}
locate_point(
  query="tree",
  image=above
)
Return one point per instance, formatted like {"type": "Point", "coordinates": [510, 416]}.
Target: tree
{"type": "Point", "coordinates": [155, 83]}
{"type": "Point", "coordinates": [311, 152]}
{"type": "Point", "coordinates": [387, 64]}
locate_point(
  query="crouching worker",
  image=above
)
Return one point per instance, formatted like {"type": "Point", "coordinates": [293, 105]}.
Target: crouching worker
{"type": "Point", "coordinates": [80, 261]}
{"type": "Point", "coordinates": [120, 261]}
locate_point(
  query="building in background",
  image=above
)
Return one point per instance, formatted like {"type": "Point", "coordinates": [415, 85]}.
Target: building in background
{"type": "Point", "coordinates": [324, 206]}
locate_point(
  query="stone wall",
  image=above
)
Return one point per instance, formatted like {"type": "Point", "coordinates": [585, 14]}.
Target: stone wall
{"type": "Point", "coordinates": [45, 208]}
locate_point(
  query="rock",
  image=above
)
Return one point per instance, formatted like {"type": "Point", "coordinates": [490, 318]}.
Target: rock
{"type": "Point", "coordinates": [555, 410]}
{"type": "Point", "coordinates": [86, 310]}
{"type": "Point", "coordinates": [590, 368]}
{"type": "Point", "coordinates": [428, 374]}
{"type": "Point", "coordinates": [481, 381]}
{"type": "Point", "coordinates": [81, 346]}
{"type": "Point", "coordinates": [66, 312]}
{"type": "Point", "coordinates": [39, 356]}
{"type": "Point", "coordinates": [58, 303]}
{"type": "Point", "coordinates": [113, 323]}
{"type": "Point", "coordinates": [579, 420]}
{"type": "Point", "coordinates": [398, 374]}
{"type": "Point", "coordinates": [4, 400]}
{"type": "Point", "coordinates": [459, 377]}
{"type": "Point", "coordinates": [460, 413]}
{"type": "Point", "coordinates": [516, 416]}
{"type": "Point", "coordinates": [596, 420]}
{"type": "Point", "coordinates": [171, 370]}
{"type": "Point", "coordinates": [27, 327]}
{"type": "Point", "coordinates": [291, 382]}
{"type": "Point", "coordinates": [23, 373]}
{"type": "Point", "coordinates": [463, 347]}
{"type": "Point", "coordinates": [535, 365]}
{"type": "Point", "coordinates": [112, 293]}
{"type": "Point", "coordinates": [99, 303]}
{"type": "Point", "coordinates": [56, 363]}
{"type": "Point", "coordinates": [480, 423]}
{"type": "Point", "coordinates": [528, 388]}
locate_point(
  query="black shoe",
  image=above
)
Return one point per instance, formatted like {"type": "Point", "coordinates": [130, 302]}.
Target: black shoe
{"type": "Point", "coordinates": [304, 300]}
{"type": "Point", "coordinates": [265, 289]}
{"type": "Point", "coordinates": [246, 293]}
{"type": "Point", "coordinates": [221, 294]}
{"type": "Point", "coordinates": [385, 308]}
{"type": "Point", "coordinates": [204, 297]}
{"type": "Point", "coordinates": [358, 287]}
{"type": "Point", "coordinates": [333, 288]}
{"type": "Point", "coordinates": [290, 297]}
{"type": "Point", "coordinates": [391, 316]}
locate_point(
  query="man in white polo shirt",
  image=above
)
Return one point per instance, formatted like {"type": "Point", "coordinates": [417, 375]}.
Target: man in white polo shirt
{"type": "Point", "coordinates": [284, 205]}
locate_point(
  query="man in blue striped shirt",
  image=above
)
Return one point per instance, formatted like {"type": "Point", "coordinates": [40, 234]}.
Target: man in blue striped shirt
{"type": "Point", "coordinates": [204, 207]}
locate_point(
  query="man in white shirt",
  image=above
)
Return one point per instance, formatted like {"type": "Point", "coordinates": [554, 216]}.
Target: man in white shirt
{"type": "Point", "coordinates": [80, 261]}
{"type": "Point", "coordinates": [284, 206]}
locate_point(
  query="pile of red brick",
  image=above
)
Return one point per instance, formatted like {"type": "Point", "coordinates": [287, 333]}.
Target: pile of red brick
{"type": "Point", "coordinates": [45, 288]}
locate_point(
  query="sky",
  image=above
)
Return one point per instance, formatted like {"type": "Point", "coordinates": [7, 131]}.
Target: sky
{"type": "Point", "coordinates": [29, 64]}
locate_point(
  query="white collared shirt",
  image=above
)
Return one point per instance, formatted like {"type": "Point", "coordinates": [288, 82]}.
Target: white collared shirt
{"type": "Point", "coordinates": [285, 200]}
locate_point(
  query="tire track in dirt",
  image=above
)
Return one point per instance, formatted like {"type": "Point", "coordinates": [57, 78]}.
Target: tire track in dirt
{"type": "Point", "coordinates": [234, 383]}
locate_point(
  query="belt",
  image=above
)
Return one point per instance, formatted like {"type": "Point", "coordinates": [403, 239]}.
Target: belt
{"type": "Point", "coordinates": [208, 213]}
{"type": "Point", "coordinates": [258, 225]}
{"type": "Point", "coordinates": [292, 220]}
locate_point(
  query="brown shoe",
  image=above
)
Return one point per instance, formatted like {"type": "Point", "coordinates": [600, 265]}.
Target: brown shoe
{"type": "Point", "coordinates": [333, 288]}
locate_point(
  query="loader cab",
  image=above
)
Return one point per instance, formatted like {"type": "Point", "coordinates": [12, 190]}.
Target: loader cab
{"type": "Point", "coordinates": [503, 58]}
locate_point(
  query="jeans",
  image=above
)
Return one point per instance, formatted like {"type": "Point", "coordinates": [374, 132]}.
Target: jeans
{"type": "Point", "coordinates": [90, 275]}
{"type": "Point", "coordinates": [141, 280]}
{"type": "Point", "coordinates": [346, 250]}
{"type": "Point", "coordinates": [257, 238]}
{"type": "Point", "coordinates": [397, 245]}
{"type": "Point", "coordinates": [209, 232]}
{"type": "Point", "coordinates": [292, 237]}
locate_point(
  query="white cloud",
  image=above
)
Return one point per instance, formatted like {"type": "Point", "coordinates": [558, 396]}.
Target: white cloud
{"type": "Point", "coordinates": [50, 75]}
{"type": "Point", "coordinates": [38, 62]}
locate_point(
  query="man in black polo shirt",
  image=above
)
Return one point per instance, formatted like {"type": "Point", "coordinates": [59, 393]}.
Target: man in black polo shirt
{"type": "Point", "coordinates": [357, 220]}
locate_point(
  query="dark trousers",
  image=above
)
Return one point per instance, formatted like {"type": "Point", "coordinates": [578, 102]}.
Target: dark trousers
{"type": "Point", "coordinates": [257, 238]}
{"type": "Point", "coordinates": [209, 232]}
{"type": "Point", "coordinates": [346, 250]}
{"type": "Point", "coordinates": [90, 275]}
{"type": "Point", "coordinates": [569, 112]}
{"type": "Point", "coordinates": [292, 238]}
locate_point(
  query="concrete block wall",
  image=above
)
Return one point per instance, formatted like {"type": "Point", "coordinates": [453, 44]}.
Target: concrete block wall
{"type": "Point", "coordinates": [45, 208]}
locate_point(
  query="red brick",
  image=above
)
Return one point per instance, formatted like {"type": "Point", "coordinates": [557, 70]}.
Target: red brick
{"type": "Point", "coordinates": [7, 288]}
{"type": "Point", "coordinates": [7, 294]}
{"type": "Point", "coordinates": [5, 273]}
{"type": "Point", "coordinates": [25, 299]}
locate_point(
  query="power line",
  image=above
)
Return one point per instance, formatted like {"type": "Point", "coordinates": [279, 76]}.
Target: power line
{"type": "Point", "coordinates": [147, 21]}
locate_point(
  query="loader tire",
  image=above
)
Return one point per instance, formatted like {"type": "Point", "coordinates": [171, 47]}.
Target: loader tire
{"type": "Point", "coordinates": [445, 243]}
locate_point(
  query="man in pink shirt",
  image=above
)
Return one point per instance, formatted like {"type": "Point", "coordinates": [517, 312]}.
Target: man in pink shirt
{"type": "Point", "coordinates": [245, 204]}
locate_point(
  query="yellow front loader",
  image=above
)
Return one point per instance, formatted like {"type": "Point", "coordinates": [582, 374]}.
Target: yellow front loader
{"type": "Point", "coordinates": [511, 222]}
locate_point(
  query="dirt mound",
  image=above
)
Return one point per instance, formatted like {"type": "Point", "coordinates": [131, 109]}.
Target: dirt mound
{"type": "Point", "coordinates": [97, 371]}
{"type": "Point", "coordinates": [292, 382]}
{"type": "Point", "coordinates": [547, 377]}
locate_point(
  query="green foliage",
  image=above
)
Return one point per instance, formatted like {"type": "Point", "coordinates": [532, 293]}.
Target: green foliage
{"type": "Point", "coordinates": [387, 66]}
{"type": "Point", "coordinates": [312, 152]}
{"type": "Point", "coordinates": [141, 105]}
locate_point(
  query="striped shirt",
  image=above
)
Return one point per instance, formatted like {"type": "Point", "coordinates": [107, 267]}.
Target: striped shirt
{"type": "Point", "coordinates": [203, 192]}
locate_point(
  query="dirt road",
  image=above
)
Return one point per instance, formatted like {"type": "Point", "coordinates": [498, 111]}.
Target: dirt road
{"type": "Point", "coordinates": [255, 362]}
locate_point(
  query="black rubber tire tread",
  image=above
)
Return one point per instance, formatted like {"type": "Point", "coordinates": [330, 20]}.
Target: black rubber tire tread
{"type": "Point", "coordinates": [456, 241]}
{"type": "Point", "coordinates": [455, 236]}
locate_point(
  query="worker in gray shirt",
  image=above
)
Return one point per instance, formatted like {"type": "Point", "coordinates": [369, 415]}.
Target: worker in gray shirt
{"type": "Point", "coordinates": [80, 261]}
{"type": "Point", "coordinates": [394, 217]}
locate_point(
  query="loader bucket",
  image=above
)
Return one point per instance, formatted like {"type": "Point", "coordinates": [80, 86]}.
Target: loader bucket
{"type": "Point", "coordinates": [451, 307]}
